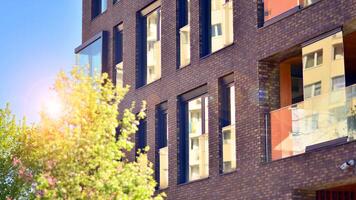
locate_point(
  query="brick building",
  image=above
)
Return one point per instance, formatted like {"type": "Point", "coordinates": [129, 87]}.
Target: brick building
{"type": "Point", "coordinates": [246, 99]}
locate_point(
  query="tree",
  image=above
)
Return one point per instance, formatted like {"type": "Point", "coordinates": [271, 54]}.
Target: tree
{"type": "Point", "coordinates": [15, 178]}
{"type": "Point", "coordinates": [77, 154]}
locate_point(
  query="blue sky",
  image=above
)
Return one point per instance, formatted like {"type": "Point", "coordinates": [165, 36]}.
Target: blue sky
{"type": "Point", "coordinates": [37, 40]}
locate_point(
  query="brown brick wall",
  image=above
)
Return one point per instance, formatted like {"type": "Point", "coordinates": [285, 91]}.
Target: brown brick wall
{"type": "Point", "coordinates": [253, 179]}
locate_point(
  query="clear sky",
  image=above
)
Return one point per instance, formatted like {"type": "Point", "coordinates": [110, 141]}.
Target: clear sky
{"type": "Point", "coordinates": [37, 40]}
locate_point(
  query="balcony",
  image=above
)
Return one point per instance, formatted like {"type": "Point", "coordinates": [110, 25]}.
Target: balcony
{"type": "Point", "coordinates": [310, 94]}
{"type": "Point", "coordinates": [274, 9]}
{"type": "Point", "coordinates": [310, 124]}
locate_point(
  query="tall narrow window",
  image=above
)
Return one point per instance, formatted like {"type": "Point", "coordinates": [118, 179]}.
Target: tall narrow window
{"type": "Point", "coordinates": [162, 145]}
{"type": "Point", "coordinates": [198, 138]}
{"type": "Point", "coordinates": [141, 135]}
{"type": "Point", "coordinates": [227, 121]}
{"type": "Point", "coordinates": [217, 28]}
{"type": "Point", "coordinates": [184, 32]}
{"type": "Point", "coordinates": [98, 7]}
{"type": "Point", "coordinates": [149, 45]}
{"type": "Point", "coordinates": [194, 154]}
{"type": "Point", "coordinates": [118, 50]}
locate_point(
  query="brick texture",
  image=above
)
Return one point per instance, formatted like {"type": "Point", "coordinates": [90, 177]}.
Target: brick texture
{"type": "Point", "coordinates": [254, 178]}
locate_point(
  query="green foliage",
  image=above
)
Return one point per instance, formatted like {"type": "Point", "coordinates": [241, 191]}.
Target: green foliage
{"type": "Point", "coordinates": [15, 178]}
{"type": "Point", "coordinates": [75, 155]}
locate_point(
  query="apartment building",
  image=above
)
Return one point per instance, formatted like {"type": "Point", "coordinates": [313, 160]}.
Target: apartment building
{"type": "Point", "coordinates": [246, 99]}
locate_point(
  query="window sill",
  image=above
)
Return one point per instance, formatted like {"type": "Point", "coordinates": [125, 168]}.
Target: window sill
{"type": "Point", "coordinates": [217, 51]}
{"type": "Point", "coordinates": [146, 85]}
{"type": "Point", "coordinates": [286, 15]}
{"type": "Point", "coordinates": [98, 16]}
{"type": "Point", "coordinates": [228, 173]}
{"type": "Point", "coordinates": [195, 181]}
{"type": "Point", "coordinates": [162, 189]}
{"type": "Point", "coordinates": [183, 66]}
{"type": "Point", "coordinates": [329, 147]}
{"type": "Point", "coordinates": [314, 67]}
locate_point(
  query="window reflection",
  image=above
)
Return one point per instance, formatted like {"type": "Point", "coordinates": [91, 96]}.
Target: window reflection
{"type": "Point", "coordinates": [184, 32]}
{"type": "Point", "coordinates": [153, 45]}
{"type": "Point", "coordinates": [198, 138]}
{"type": "Point", "coordinates": [90, 57]}
{"type": "Point", "coordinates": [228, 130]}
{"type": "Point", "coordinates": [324, 111]}
{"type": "Point", "coordinates": [221, 24]}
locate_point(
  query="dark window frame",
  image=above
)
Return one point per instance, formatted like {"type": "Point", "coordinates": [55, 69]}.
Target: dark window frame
{"type": "Point", "coordinates": [141, 44]}
{"type": "Point", "coordinates": [205, 28]}
{"type": "Point", "coordinates": [161, 130]}
{"type": "Point", "coordinates": [225, 112]}
{"type": "Point", "coordinates": [183, 137]}
{"type": "Point", "coordinates": [118, 47]}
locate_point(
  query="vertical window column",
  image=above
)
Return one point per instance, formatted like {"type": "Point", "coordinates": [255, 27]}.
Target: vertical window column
{"type": "Point", "coordinates": [184, 32]}
{"type": "Point", "coordinates": [162, 145]}
{"type": "Point", "coordinates": [141, 136]}
{"type": "Point", "coordinates": [149, 36]}
{"type": "Point", "coordinates": [227, 121]}
{"type": "Point", "coordinates": [98, 7]}
{"type": "Point", "coordinates": [118, 55]}
{"type": "Point", "coordinates": [193, 141]}
{"type": "Point", "coordinates": [217, 28]}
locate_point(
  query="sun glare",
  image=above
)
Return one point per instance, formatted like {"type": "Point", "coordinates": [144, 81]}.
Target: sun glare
{"type": "Point", "coordinates": [53, 107]}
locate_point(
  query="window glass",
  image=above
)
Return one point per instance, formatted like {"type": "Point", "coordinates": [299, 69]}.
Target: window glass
{"type": "Point", "coordinates": [198, 138]}
{"type": "Point", "coordinates": [104, 5]}
{"type": "Point", "coordinates": [338, 51]}
{"type": "Point", "coordinates": [118, 48]}
{"type": "Point", "coordinates": [319, 57]}
{"type": "Point", "coordinates": [162, 145]}
{"type": "Point", "coordinates": [221, 24]}
{"type": "Point", "coordinates": [184, 32]}
{"type": "Point", "coordinates": [90, 57]}
{"type": "Point", "coordinates": [313, 59]}
{"type": "Point", "coordinates": [153, 46]}
{"type": "Point", "coordinates": [338, 83]}
{"type": "Point", "coordinates": [228, 131]}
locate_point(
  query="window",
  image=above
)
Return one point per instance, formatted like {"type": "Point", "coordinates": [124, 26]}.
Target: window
{"type": "Point", "coordinates": [338, 51]}
{"type": "Point", "coordinates": [90, 56]}
{"type": "Point", "coordinates": [217, 28]}
{"type": "Point", "coordinates": [98, 7]}
{"type": "Point", "coordinates": [150, 50]}
{"type": "Point", "coordinates": [338, 83]}
{"type": "Point", "coordinates": [184, 32]}
{"type": "Point", "coordinates": [193, 141]}
{"type": "Point", "coordinates": [312, 90]}
{"type": "Point", "coordinates": [115, 1]}
{"type": "Point", "coordinates": [141, 135]}
{"type": "Point", "coordinates": [198, 137]}
{"type": "Point", "coordinates": [118, 51]}
{"type": "Point", "coordinates": [162, 145]}
{"type": "Point", "coordinates": [227, 121]}
{"type": "Point", "coordinates": [313, 59]}
{"type": "Point", "coordinates": [309, 2]}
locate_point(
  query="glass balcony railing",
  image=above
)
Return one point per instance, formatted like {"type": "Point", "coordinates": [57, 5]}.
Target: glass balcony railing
{"type": "Point", "coordinates": [163, 168]}
{"type": "Point", "coordinates": [273, 8]}
{"type": "Point", "coordinates": [317, 121]}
